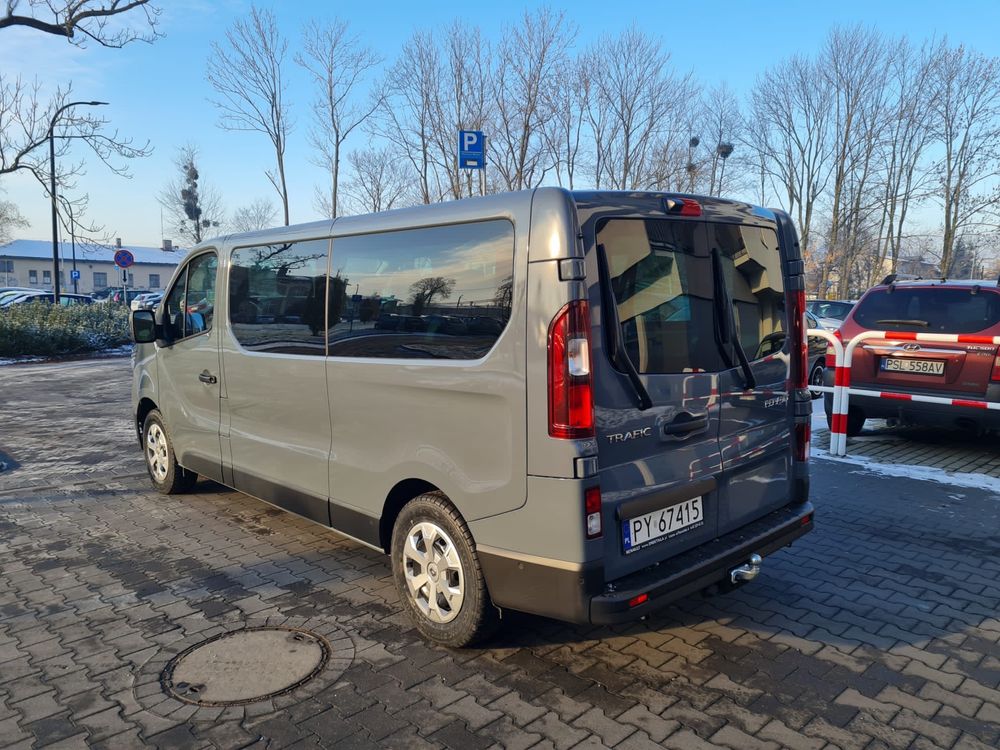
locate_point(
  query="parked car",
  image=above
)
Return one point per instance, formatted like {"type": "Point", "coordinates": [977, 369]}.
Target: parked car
{"type": "Point", "coordinates": [10, 293]}
{"type": "Point", "coordinates": [118, 297]}
{"type": "Point", "coordinates": [617, 441]}
{"type": "Point", "coordinates": [830, 309]}
{"type": "Point", "coordinates": [817, 352]}
{"type": "Point", "coordinates": [64, 299]}
{"type": "Point", "coordinates": [146, 301]}
{"type": "Point", "coordinates": [952, 370]}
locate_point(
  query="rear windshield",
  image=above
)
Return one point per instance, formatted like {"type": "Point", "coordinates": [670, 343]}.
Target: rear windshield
{"type": "Point", "coordinates": [929, 310]}
{"type": "Point", "coordinates": [836, 310]}
{"type": "Point", "coordinates": [662, 279]}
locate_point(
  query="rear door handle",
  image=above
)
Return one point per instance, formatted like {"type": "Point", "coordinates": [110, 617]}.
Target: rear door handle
{"type": "Point", "coordinates": [684, 423]}
{"type": "Point", "coordinates": [207, 377]}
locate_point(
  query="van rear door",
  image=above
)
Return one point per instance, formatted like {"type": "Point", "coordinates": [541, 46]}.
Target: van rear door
{"type": "Point", "coordinates": [659, 459]}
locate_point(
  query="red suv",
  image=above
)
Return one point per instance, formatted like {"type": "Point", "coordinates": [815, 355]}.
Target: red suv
{"type": "Point", "coordinates": [969, 372]}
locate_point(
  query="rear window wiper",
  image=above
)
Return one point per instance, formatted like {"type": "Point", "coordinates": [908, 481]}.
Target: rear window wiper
{"type": "Point", "coordinates": [901, 322]}
{"type": "Point", "coordinates": [724, 308]}
{"type": "Point", "coordinates": [613, 331]}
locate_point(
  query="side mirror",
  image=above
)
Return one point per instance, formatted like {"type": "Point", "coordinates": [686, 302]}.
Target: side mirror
{"type": "Point", "coordinates": [143, 326]}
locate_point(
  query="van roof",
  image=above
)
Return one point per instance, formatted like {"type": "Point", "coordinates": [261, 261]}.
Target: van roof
{"type": "Point", "coordinates": [652, 203]}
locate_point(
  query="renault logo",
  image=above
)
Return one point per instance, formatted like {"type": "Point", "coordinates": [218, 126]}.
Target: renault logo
{"type": "Point", "coordinates": [911, 347]}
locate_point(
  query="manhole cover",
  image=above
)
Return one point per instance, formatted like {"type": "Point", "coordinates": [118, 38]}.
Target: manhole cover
{"type": "Point", "coordinates": [245, 666]}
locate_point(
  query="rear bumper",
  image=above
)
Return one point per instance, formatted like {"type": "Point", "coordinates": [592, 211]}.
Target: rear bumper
{"type": "Point", "coordinates": [577, 592]}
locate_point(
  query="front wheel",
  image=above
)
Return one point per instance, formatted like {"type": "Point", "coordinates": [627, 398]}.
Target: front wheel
{"type": "Point", "coordinates": [169, 477]}
{"type": "Point", "coordinates": [437, 574]}
{"type": "Point", "coordinates": [816, 378]}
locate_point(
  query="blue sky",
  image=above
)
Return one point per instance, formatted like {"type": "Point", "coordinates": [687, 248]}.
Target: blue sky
{"type": "Point", "coordinates": [158, 92]}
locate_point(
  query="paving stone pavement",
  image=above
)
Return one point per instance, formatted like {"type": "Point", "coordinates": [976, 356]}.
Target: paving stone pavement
{"type": "Point", "coordinates": [879, 630]}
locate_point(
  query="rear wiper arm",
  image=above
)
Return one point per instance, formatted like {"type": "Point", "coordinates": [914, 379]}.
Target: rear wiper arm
{"type": "Point", "coordinates": [613, 331]}
{"type": "Point", "coordinates": [749, 381]}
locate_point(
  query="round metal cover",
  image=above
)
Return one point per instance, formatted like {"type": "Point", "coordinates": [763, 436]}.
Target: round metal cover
{"type": "Point", "coordinates": [245, 666]}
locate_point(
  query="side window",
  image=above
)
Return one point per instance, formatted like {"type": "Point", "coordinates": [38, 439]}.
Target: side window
{"type": "Point", "coordinates": [661, 276]}
{"type": "Point", "coordinates": [277, 297]}
{"type": "Point", "coordinates": [190, 305]}
{"type": "Point", "coordinates": [752, 265]}
{"type": "Point", "coordinates": [430, 293]}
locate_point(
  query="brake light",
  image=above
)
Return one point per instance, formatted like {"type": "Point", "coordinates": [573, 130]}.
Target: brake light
{"type": "Point", "coordinates": [799, 375]}
{"type": "Point", "coordinates": [803, 436]}
{"type": "Point", "coordinates": [995, 377]}
{"type": "Point", "coordinates": [635, 601]}
{"type": "Point", "coordinates": [571, 401]}
{"type": "Point", "coordinates": [592, 512]}
{"type": "Point", "coordinates": [682, 207]}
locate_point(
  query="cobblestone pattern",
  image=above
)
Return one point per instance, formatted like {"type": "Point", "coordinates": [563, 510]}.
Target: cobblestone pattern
{"type": "Point", "coordinates": [878, 630]}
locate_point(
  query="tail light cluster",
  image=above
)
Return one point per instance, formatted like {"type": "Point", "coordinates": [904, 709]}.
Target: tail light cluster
{"type": "Point", "coordinates": [995, 377]}
{"type": "Point", "coordinates": [800, 341]}
{"type": "Point", "coordinates": [571, 393]}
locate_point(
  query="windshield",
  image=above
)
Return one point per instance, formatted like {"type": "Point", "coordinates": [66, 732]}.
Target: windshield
{"type": "Point", "coordinates": [836, 310]}
{"type": "Point", "coordinates": [929, 310]}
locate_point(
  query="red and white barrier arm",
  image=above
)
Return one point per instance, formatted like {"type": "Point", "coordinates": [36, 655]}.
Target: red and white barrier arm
{"type": "Point", "coordinates": [926, 399]}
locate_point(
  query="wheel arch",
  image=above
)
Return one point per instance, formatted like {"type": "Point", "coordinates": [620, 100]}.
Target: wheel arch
{"type": "Point", "coordinates": [403, 491]}
{"type": "Point", "coordinates": [142, 410]}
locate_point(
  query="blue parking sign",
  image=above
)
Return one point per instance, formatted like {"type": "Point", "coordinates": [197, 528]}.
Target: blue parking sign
{"type": "Point", "coordinates": [471, 149]}
{"type": "Point", "coordinates": [75, 275]}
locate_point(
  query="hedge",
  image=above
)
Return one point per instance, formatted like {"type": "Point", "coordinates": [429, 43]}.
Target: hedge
{"type": "Point", "coordinates": [42, 329]}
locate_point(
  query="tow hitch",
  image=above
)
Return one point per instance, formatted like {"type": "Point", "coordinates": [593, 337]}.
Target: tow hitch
{"type": "Point", "coordinates": [747, 571]}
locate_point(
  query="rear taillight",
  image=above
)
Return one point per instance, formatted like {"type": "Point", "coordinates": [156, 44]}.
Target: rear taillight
{"type": "Point", "coordinates": [800, 345]}
{"type": "Point", "coordinates": [571, 401]}
{"type": "Point", "coordinates": [803, 435]}
{"type": "Point", "coordinates": [592, 512]}
{"type": "Point", "coordinates": [995, 377]}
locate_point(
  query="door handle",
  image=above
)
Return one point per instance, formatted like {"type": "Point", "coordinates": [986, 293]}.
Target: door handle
{"type": "Point", "coordinates": [207, 377]}
{"type": "Point", "coordinates": [684, 423]}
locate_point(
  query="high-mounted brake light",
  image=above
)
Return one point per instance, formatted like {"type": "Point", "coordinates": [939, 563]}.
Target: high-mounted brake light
{"type": "Point", "coordinates": [571, 401]}
{"type": "Point", "coordinates": [682, 207]}
{"type": "Point", "coordinates": [592, 512]}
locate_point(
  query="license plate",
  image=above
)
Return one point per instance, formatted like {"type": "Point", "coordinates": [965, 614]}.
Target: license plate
{"type": "Point", "coordinates": [915, 366]}
{"type": "Point", "coordinates": [643, 531]}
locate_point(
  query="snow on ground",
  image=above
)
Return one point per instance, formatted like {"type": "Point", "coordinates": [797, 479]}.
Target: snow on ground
{"type": "Point", "coordinates": [865, 464]}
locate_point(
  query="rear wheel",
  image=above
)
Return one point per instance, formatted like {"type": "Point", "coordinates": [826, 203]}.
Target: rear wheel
{"type": "Point", "coordinates": [169, 477]}
{"type": "Point", "coordinates": [855, 421]}
{"type": "Point", "coordinates": [816, 378]}
{"type": "Point", "coordinates": [437, 574]}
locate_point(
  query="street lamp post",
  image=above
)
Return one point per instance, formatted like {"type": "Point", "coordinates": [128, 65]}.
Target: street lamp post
{"type": "Point", "coordinates": [52, 192]}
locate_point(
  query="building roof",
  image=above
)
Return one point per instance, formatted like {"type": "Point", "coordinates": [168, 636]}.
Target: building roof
{"type": "Point", "coordinates": [42, 249]}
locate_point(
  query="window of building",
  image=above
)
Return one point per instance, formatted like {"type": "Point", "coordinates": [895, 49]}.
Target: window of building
{"type": "Point", "coordinates": [431, 293]}
{"type": "Point", "coordinates": [100, 280]}
{"type": "Point", "coordinates": [190, 305]}
{"type": "Point", "coordinates": [277, 297]}
{"type": "Point", "coordinates": [46, 277]}
{"type": "Point", "coordinates": [32, 276]}
{"type": "Point", "coordinates": [6, 266]}
{"type": "Point", "coordinates": [154, 281]}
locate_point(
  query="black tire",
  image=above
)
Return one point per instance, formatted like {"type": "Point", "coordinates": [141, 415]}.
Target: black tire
{"type": "Point", "coordinates": [169, 477]}
{"type": "Point", "coordinates": [816, 378]}
{"type": "Point", "coordinates": [855, 421]}
{"type": "Point", "coordinates": [475, 619]}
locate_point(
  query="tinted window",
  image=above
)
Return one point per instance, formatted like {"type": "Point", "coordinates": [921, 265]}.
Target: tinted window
{"type": "Point", "coordinates": [439, 292]}
{"type": "Point", "coordinates": [190, 306]}
{"type": "Point", "coordinates": [929, 310]}
{"type": "Point", "coordinates": [752, 268]}
{"type": "Point", "coordinates": [661, 275]}
{"type": "Point", "coordinates": [277, 295]}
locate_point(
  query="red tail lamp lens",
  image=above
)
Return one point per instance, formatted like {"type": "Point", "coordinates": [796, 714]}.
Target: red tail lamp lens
{"type": "Point", "coordinates": [635, 601]}
{"type": "Point", "coordinates": [571, 400]}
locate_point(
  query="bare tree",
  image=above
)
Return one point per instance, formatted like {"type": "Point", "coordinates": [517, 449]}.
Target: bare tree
{"type": "Point", "coordinates": [635, 109]}
{"type": "Point", "coordinates": [107, 23]}
{"type": "Point", "coordinates": [337, 63]}
{"type": "Point", "coordinates": [967, 105]}
{"type": "Point", "coordinates": [257, 215]}
{"type": "Point", "coordinates": [564, 128]}
{"type": "Point", "coordinates": [789, 132]}
{"type": "Point", "coordinates": [426, 289]}
{"type": "Point", "coordinates": [247, 74]}
{"type": "Point", "coordinates": [10, 219]}
{"type": "Point", "coordinates": [380, 182]}
{"type": "Point", "coordinates": [529, 58]}
{"type": "Point", "coordinates": [193, 206]}
{"type": "Point", "coordinates": [408, 97]}
{"type": "Point", "coordinates": [719, 157]}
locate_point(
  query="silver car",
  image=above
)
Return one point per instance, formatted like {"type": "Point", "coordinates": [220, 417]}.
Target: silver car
{"type": "Point", "coordinates": [546, 401]}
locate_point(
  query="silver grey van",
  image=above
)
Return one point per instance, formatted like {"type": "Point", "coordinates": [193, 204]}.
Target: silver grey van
{"type": "Point", "coordinates": [581, 405]}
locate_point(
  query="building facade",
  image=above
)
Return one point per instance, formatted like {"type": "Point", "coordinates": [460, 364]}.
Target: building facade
{"type": "Point", "coordinates": [28, 263]}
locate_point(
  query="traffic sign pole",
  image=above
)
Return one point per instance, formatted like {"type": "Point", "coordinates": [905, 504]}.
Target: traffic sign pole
{"type": "Point", "coordinates": [472, 154]}
{"type": "Point", "coordinates": [124, 259]}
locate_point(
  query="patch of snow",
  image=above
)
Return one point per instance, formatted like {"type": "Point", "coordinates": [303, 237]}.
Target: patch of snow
{"type": "Point", "coordinates": [926, 473]}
